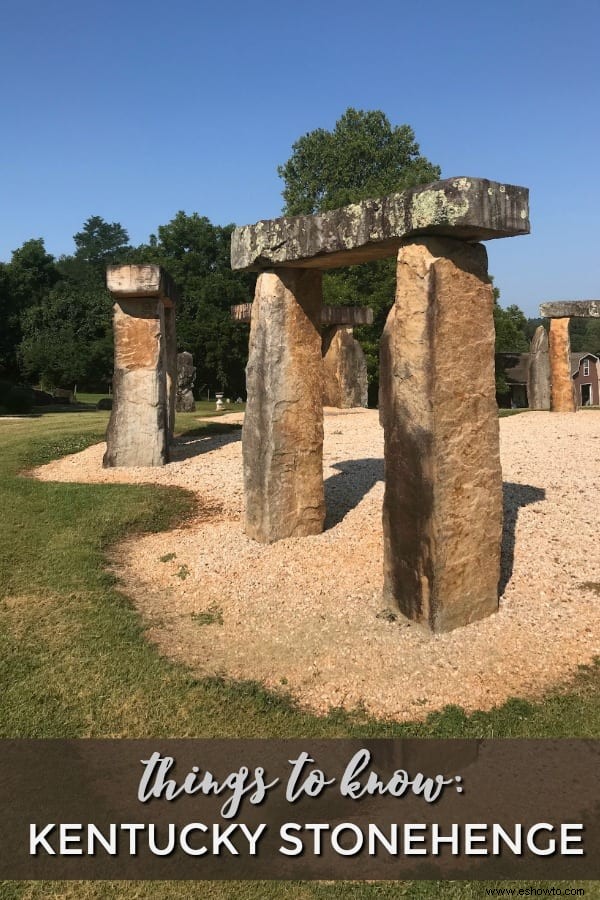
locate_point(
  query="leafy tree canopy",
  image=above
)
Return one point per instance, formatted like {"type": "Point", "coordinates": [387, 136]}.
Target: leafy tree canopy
{"type": "Point", "coordinates": [100, 242]}
{"type": "Point", "coordinates": [511, 329]}
{"type": "Point", "coordinates": [196, 254]}
{"type": "Point", "coordinates": [364, 156]}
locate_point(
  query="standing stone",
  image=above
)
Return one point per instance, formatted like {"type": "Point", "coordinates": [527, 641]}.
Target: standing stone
{"type": "Point", "coordinates": [538, 375]}
{"type": "Point", "coordinates": [563, 395]}
{"type": "Point", "coordinates": [442, 512]}
{"type": "Point", "coordinates": [186, 376]}
{"type": "Point", "coordinates": [138, 429]}
{"type": "Point", "coordinates": [171, 366]}
{"type": "Point", "coordinates": [145, 362]}
{"type": "Point", "coordinates": [344, 369]}
{"type": "Point", "coordinates": [283, 424]}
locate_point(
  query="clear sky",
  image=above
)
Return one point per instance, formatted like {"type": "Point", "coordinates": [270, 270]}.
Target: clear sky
{"type": "Point", "coordinates": [135, 110]}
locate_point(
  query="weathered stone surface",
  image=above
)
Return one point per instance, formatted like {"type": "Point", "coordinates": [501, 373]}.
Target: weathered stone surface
{"type": "Point", "coordinates": [138, 429]}
{"type": "Point", "coordinates": [467, 208]}
{"type": "Point", "coordinates": [442, 512]}
{"type": "Point", "coordinates": [170, 345]}
{"type": "Point", "coordinates": [344, 369]}
{"type": "Point", "coordinates": [538, 375]}
{"type": "Point", "coordinates": [330, 315]}
{"type": "Point", "coordinates": [186, 377]}
{"type": "Point", "coordinates": [562, 309]}
{"type": "Point", "coordinates": [563, 395]}
{"type": "Point", "coordinates": [283, 425]}
{"type": "Point", "coordinates": [141, 281]}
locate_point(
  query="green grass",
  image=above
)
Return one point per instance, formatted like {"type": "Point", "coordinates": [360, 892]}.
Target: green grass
{"type": "Point", "coordinates": [74, 661]}
{"type": "Point", "coordinates": [87, 402]}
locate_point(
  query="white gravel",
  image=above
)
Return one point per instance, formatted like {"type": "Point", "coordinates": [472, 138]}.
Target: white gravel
{"type": "Point", "coordinates": [301, 615]}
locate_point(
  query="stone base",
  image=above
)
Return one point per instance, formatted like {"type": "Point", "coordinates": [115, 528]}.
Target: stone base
{"type": "Point", "coordinates": [283, 425]}
{"type": "Point", "coordinates": [137, 432]}
{"type": "Point", "coordinates": [442, 511]}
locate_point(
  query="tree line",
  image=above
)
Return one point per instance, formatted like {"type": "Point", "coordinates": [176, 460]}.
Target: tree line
{"type": "Point", "coordinates": [56, 313]}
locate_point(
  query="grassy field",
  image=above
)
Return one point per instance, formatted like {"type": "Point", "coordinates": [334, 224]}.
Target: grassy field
{"type": "Point", "coordinates": [203, 407]}
{"type": "Point", "coordinates": [74, 661]}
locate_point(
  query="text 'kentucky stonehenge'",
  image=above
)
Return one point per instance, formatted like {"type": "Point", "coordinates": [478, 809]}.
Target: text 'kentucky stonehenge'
{"type": "Point", "coordinates": [442, 514]}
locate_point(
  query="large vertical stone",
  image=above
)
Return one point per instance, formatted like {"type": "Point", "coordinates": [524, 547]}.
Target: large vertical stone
{"type": "Point", "coordinates": [283, 425]}
{"type": "Point", "coordinates": [344, 369]}
{"type": "Point", "coordinates": [442, 512]}
{"type": "Point", "coordinates": [171, 366]}
{"type": "Point", "coordinates": [186, 377]}
{"type": "Point", "coordinates": [538, 375]}
{"type": "Point", "coordinates": [138, 429]}
{"type": "Point", "coordinates": [563, 395]}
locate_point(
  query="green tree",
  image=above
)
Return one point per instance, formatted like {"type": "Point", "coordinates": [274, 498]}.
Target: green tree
{"type": "Point", "coordinates": [592, 336]}
{"type": "Point", "coordinates": [67, 328]}
{"type": "Point", "coordinates": [364, 156]}
{"type": "Point", "coordinates": [511, 329]}
{"type": "Point", "coordinates": [32, 273]}
{"type": "Point", "coordinates": [584, 335]}
{"type": "Point", "coordinates": [24, 282]}
{"type": "Point", "coordinates": [101, 243]}
{"type": "Point", "coordinates": [196, 254]}
{"type": "Point", "coordinates": [67, 339]}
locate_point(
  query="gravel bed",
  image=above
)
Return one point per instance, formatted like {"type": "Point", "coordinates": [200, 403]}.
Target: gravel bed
{"type": "Point", "coordinates": [301, 615]}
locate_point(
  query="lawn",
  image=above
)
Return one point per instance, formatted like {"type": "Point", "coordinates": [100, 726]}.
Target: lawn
{"type": "Point", "coordinates": [75, 662]}
{"type": "Point", "coordinates": [203, 407]}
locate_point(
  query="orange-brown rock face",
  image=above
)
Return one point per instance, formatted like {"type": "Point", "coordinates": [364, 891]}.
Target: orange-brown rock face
{"type": "Point", "coordinates": [344, 369]}
{"type": "Point", "coordinates": [283, 425]}
{"type": "Point", "coordinates": [442, 512]}
{"type": "Point", "coordinates": [138, 429]}
{"type": "Point", "coordinates": [563, 396]}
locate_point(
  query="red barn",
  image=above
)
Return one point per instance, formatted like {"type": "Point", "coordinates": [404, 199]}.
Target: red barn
{"type": "Point", "coordinates": [585, 368]}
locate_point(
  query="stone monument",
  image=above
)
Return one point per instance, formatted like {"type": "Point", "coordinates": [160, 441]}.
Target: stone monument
{"type": "Point", "coordinates": [186, 377]}
{"type": "Point", "coordinates": [559, 312]}
{"type": "Point", "coordinates": [344, 364]}
{"type": "Point", "coordinates": [538, 373]}
{"type": "Point", "coordinates": [442, 513]}
{"type": "Point", "coordinates": [145, 374]}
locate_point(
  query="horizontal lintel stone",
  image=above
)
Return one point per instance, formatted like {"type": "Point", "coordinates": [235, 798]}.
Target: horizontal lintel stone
{"type": "Point", "coordinates": [141, 281]}
{"type": "Point", "coordinates": [564, 309]}
{"type": "Point", "coordinates": [470, 209]}
{"type": "Point", "coordinates": [330, 315]}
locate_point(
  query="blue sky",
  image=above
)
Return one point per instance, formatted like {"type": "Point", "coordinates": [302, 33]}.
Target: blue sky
{"type": "Point", "coordinates": [135, 110]}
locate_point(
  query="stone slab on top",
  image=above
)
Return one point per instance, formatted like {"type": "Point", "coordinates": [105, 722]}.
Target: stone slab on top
{"type": "Point", "coordinates": [141, 281]}
{"type": "Point", "coordinates": [470, 209]}
{"type": "Point", "coordinates": [564, 309]}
